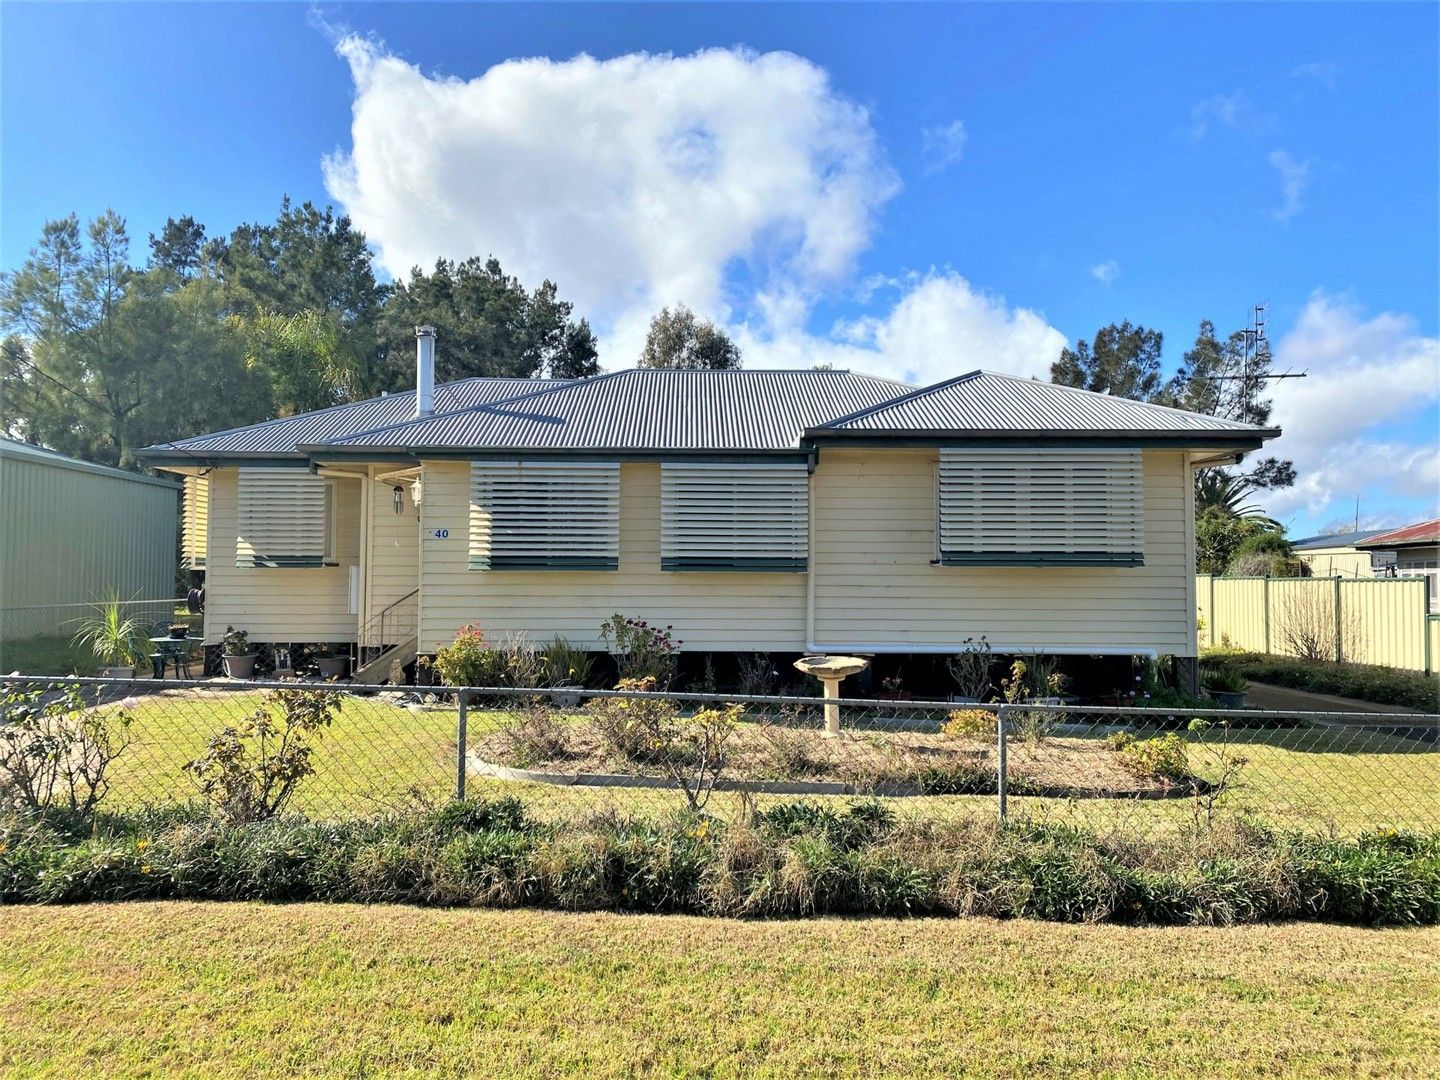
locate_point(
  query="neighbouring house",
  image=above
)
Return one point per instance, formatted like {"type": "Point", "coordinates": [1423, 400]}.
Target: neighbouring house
{"type": "Point", "coordinates": [1335, 555]}
{"type": "Point", "coordinates": [1413, 551]}
{"type": "Point", "coordinates": [755, 510]}
{"type": "Point", "coordinates": [72, 533]}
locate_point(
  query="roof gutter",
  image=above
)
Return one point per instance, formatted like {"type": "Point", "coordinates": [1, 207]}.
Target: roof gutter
{"type": "Point", "coordinates": [1239, 440]}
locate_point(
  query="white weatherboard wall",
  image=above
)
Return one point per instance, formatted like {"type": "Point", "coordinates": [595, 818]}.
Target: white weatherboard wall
{"type": "Point", "coordinates": [394, 556]}
{"type": "Point", "coordinates": [714, 611]}
{"type": "Point", "coordinates": [876, 587]}
{"type": "Point", "coordinates": [279, 604]}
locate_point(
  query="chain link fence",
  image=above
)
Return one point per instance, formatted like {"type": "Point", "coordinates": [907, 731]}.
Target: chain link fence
{"type": "Point", "coordinates": [568, 753]}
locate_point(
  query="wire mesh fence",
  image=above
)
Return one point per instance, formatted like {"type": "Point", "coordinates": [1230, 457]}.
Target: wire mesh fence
{"type": "Point", "coordinates": [336, 751]}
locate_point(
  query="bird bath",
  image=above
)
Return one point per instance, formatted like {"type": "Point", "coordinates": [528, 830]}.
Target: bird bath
{"type": "Point", "coordinates": [830, 670]}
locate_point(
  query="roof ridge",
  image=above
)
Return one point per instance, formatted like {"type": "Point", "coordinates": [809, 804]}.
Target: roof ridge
{"type": "Point", "coordinates": [920, 391]}
{"type": "Point", "coordinates": [565, 384]}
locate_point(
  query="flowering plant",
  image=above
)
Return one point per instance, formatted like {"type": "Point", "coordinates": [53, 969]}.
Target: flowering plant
{"type": "Point", "coordinates": [641, 651]}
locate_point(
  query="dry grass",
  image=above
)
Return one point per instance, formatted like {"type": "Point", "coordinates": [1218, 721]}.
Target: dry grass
{"type": "Point", "coordinates": [239, 989]}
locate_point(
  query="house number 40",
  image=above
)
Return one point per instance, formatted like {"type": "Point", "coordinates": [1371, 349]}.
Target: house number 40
{"type": "Point", "coordinates": [440, 534]}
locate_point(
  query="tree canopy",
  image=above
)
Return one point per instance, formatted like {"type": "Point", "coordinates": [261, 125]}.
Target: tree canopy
{"type": "Point", "coordinates": [1225, 378]}
{"type": "Point", "coordinates": [101, 355]}
{"type": "Point", "coordinates": [678, 339]}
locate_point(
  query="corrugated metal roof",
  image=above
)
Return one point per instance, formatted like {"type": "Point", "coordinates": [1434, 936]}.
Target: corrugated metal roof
{"type": "Point", "coordinates": [1424, 532]}
{"type": "Point", "coordinates": [984, 402]}
{"type": "Point", "coordinates": [1330, 540]}
{"type": "Point", "coordinates": [648, 410]}
{"type": "Point", "coordinates": [285, 435]}
{"type": "Point", "coordinates": [12, 448]}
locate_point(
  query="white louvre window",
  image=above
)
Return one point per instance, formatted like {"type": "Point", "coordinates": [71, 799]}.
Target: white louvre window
{"type": "Point", "coordinates": [194, 521]}
{"type": "Point", "coordinates": [544, 515]}
{"type": "Point", "coordinates": [1040, 508]}
{"type": "Point", "coordinates": [734, 517]}
{"type": "Point", "coordinates": [284, 517]}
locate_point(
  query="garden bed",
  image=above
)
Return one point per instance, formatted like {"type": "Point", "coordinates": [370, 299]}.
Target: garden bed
{"type": "Point", "coordinates": [794, 761]}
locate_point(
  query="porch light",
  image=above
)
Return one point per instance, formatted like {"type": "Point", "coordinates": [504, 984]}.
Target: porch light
{"type": "Point", "coordinates": [397, 499]}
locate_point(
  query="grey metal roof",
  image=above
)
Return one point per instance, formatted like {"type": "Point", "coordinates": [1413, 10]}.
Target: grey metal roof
{"type": "Point", "coordinates": [1335, 539]}
{"type": "Point", "coordinates": [12, 448]}
{"type": "Point", "coordinates": [286, 435]}
{"type": "Point", "coordinates": [987, 403]}
{"type": "Point", "coordinates": [646, 410]}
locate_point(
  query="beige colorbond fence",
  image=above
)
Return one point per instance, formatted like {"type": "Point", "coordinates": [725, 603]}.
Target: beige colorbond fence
{"type": "Point", "coordinates": [1363, 620]}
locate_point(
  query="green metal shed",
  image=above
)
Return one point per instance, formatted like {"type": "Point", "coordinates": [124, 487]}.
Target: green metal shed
{"type": "Point", "coordinates": [72, 532]}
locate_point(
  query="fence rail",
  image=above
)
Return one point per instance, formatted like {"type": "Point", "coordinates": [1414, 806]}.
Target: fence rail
{"type": "Point", "coordinates": [1383, 621]}
{"type": "Point", "coordinates": [567, 753]}
{"type": "Point", "coordinates": [28, 621]}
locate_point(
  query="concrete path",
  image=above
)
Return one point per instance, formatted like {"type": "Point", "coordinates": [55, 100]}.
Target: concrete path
{"type": "Point", "coordinates": [1265, 696]}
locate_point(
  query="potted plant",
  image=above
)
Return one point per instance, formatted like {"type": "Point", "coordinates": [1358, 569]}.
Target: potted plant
{"type": "Point", "coordinates": [238, 657]}
{"type": "Point", "coordinates": [332, 665]}
{"type": "Point", "coordinates": [179, 630]}
{"type": "Point", "coordinates": [116, 640]}
{"type": "Point", "coordinates": [1226, 687]}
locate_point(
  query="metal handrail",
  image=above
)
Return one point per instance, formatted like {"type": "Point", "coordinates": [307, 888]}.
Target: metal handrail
{"type": "Point", "coordinates": [364, 634]}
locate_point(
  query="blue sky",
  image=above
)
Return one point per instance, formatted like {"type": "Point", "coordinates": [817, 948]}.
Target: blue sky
{"type": "Point", "coordinates": [975, 182]}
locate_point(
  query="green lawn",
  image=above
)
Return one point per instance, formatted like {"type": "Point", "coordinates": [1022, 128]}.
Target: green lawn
{"type": "Point", "coordinates": [47, 656]}
{"type": "Point", "coordinates": [259, 990]}
{"type": "Point", "coordinates": [376, 753]}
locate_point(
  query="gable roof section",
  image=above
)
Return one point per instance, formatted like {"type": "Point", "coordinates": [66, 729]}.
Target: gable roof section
{"type": "Point", "coordinates": [643, 411]}
{"type": "Point", "coordinates": [285, 436]}
{"type": "Point", "coordinates": [1422, 533]}
{"type": "Point", "coordinates": [985, 404]}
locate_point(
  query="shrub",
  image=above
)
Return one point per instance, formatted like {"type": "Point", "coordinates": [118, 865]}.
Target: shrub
{"type": "Point", "coordinates": [793, 858]}
{"type": "Point", "coordinates": [970, 668]}
{"type": "Point", "coordinates": [641, 651]}
{"type": "Point", "coordinates": [1164, 757]}
{"type": "Point", "coordinates": [249, 771]}
{"type": "Point", "coordinates": [970, 724]}
{"type": "Point", "coordinates": [517, 662]}
{"type": "Point", "coordinates": [755, 675]}
{"type": "Point", "coordinates": [467, 661]}
{"type": "Point", "coordinates": [115, 639]}
{"type": "Point", "coordinates": [637, 730]}
{"type": "Point", "coordinates": [56, 754]}
{"type": "Point", "coordinates": [1224, 680]}
{"type": "Point", "coordinates": [533, 735]}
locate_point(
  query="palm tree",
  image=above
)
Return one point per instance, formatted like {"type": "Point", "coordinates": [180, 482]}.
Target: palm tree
{"type": "Point", "coordinates": [1216, 489]}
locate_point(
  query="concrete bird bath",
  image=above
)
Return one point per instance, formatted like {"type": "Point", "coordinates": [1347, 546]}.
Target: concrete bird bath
{"type": "Point", "coordinates": [830, 670]}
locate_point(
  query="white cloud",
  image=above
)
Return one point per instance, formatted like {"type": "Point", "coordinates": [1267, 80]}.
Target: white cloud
{"type": "Point", "coordinates": [646, 180]}
{"type": "Point", "coordinates": [1322, 71]}
{"type": "Point", "coordinates": [1234, 110]}
{"type": "Point", "coordinates": [943, 146]}
{"type": "Point", "coordinates": [1345, 425]}
{"type": "Point", "coordinates": [1105, 272]}
{"type": "Point", "coordinates": [1294, 179]}
{"type": "Point", "coordinates": [941, 326]}
{"type": "Point", "coordinates": [636, 181]}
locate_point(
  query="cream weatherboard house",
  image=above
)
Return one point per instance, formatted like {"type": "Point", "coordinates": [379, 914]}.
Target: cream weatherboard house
{"type": "Point", "coordinates": [774, 511]}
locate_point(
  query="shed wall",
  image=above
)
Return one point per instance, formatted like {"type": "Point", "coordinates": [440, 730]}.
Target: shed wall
{"type": "Point", "coordinates": [69, 536]}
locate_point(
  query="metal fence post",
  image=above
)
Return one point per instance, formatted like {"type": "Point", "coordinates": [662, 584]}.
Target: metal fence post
{"type": "Point", "coordinates": [1339, 648]}
{"type": "Point", "coordinates": [464, 697]}
{"type": "Point", "coordinates": [1265, 611]}
{"type": "Point", "coordinates": [1000, 764]}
